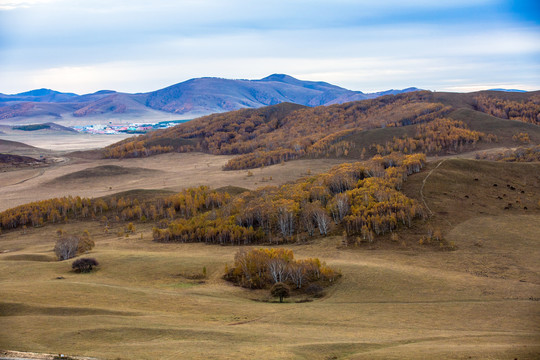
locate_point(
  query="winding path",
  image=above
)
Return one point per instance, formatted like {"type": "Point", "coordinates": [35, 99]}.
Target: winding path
{"type": "Point", "coordinates": [41, 172]}
{"type": "Point", "coordinates": [424, 184]}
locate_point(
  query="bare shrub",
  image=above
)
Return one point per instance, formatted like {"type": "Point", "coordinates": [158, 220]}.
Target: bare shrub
{"type": "Point", "coordinates": [66, 247]}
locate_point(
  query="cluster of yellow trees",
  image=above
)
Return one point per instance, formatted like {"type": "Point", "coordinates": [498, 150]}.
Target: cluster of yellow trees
{"type": "Point", "coordinates": [52, 211]}
{"type": "Point", "coordinates": [134, 149]}
{"type": "Point", "coordinates": [364, 199]}
{"type": "Point", "coordinates": [522, 137]}
{"type": "Point", "coordinates": [435, 137]}
{"type": "Point", "coordinates": [527, 111]}
{"type": "Point", "coordinates": [260, 268]}
{"type": "Point", "coordinates": [262, 158]}
{"type": "Point", "coordinates": [184, 204]}
{"type": "Point", "coordinates": [361, 198]}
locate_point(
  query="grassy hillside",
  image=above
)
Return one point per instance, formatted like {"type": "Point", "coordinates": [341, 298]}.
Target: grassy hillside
{"type": "Point", "coordinates": [458, 190]}
{"type": "Point", "coordinates": [286, 132]}
{"type": "Point", "coordinates": [9, 161]}
{"type": "Point", "coordinates": [8, 145]}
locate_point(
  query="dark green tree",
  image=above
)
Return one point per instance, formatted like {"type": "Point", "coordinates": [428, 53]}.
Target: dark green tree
{"type": "Point", "coordinates": [280, 290]}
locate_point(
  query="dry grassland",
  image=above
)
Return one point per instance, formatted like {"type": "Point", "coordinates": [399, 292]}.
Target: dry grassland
{"type": "Point", "coordinates": [174, 171]}
{"type": "Point", "coordinates": [393, 302]}
{"type": "Point", "coordinates": [46, 141]}
{"type": "Point", "coordinates": [141, 303]}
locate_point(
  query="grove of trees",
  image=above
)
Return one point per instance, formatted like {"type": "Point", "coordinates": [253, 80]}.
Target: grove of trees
{"type": "Point", "coordinates": [361, 198]}
{"type": "Point", "coordinates": [436, 137]}
{"type": "Point", "coordinates": [264, 268]}
{"type": "Point", "coordinates": [526, 111]}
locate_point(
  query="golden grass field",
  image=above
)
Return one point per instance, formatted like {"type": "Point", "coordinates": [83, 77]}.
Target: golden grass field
{"type": "Point", "coordinates": [396, 300]}
{"type": "Point", "coordinates": [404, 303]}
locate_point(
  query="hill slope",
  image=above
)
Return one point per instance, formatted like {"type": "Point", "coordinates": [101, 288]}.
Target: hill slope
{"type": "Point", "coordinates": [284, 132]}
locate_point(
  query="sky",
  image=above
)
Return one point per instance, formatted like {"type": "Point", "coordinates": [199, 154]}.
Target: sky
{"type": "Point", "coordinates": [83, 46]}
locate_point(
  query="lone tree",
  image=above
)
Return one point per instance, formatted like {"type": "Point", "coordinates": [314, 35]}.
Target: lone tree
{"type": "Point", "coordinates": [280, 290]}
{"type": "Point", "coordinates": [84, 265]}
{"type": "Point", "coordinates": [68, 246]}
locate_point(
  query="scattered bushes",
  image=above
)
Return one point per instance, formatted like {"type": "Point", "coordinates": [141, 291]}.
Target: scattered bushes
{"type": "Point", "coordinates": [84, 265]}
{"type": "Point", "coordinates": [522, 137]}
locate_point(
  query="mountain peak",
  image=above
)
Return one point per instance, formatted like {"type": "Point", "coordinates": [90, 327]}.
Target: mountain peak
{"type": "Point", "coordinates": [38, 92]}
{"type": "Point", "coordinates": [280, 77]}
{"type": "Point", "coordinates": [44, 93]}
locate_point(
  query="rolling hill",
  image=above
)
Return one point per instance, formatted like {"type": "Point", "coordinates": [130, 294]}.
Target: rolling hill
{"type": "Point", "coordinates": [286, 131]}
{"type": "Point", "coordinates": [186, 100]}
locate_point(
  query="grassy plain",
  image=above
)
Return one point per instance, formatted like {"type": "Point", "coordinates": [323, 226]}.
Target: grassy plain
{"type": "Point", "coordinates": [99, 177]}
{"type": "Point", "coordinates": [395, 300]}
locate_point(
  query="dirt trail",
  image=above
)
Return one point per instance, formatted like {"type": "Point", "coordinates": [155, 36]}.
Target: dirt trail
{"type": "Point", "coordinates": [41, 172]}
{"type": "Point", "coordinates": [424, 184]}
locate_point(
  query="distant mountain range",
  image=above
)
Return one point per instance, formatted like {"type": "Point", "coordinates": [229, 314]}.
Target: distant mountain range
{"type": "Point", "coordinates": [188, 99]}
{"type": "Point", "coordinates": [508, 90]}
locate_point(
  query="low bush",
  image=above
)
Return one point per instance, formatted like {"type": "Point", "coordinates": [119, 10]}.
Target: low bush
{"type": "Point", "coordinates": [84, 265]}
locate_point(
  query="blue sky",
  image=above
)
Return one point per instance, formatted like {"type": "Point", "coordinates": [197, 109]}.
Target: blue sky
{"type": "Point", "coordinates": [135, 46]}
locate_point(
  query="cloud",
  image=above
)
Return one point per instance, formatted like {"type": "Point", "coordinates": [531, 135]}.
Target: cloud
{"type": "Point", "coordinates": [139, 45]}
{"type": "Point", "coordinates": [14, 4]}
